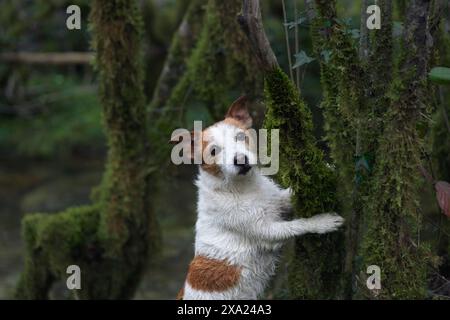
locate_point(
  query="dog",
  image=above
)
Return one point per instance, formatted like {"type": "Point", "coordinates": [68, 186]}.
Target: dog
{"type": "Point", "coordinates": [239, 228]}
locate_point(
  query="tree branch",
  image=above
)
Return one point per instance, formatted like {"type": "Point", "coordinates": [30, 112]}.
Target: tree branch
{"type": "Point", "coordinates": [251, 23]}
{"type": "Point", "coordinates": [55, 58]}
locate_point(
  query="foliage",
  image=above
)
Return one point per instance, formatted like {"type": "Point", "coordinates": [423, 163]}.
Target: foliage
{"type": "Point", "coordinates": [62, 116]}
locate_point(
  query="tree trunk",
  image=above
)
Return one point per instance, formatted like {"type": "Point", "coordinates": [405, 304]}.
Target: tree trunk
{"type": "Point", "coordinates": [216, 66]}
{"type": "Point", "coordinates": [392, 240]}
{"type": "Point", "coordinates": [110, 239]}
{"type": "Point", "coordinates": [315, 267]}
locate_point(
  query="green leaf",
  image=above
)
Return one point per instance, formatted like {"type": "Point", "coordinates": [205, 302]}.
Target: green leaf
{"type": "Point", "coordinates": [301, 58]}
{"type": "Point", "coordinates": [292, 24]}
{"type": "Point", "coordinates": [326, 55]}
{"type": "Point", "coordinates": [354, 33]}
{"type": "Point", "coordinates": [397, 29]}
{"type": "Point", "coordinates": [440, 75]}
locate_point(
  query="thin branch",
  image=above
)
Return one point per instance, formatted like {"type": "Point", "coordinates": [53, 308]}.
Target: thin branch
{"type": "Point", "coordinates": [364, 32]}
{"type": "Point", "coordinates": [288, 46]}
{"type": "Point", "coordinates": [54, 58]}
{"type": "Point", "coordinates": [297, 45]}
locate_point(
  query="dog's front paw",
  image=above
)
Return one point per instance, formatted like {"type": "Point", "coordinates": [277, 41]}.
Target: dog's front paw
{"type": "Point", "coordinates": [325, 222]}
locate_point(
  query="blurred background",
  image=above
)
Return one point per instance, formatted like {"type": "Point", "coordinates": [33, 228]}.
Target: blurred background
{"type": "Point", "coordinates": [52, 146]}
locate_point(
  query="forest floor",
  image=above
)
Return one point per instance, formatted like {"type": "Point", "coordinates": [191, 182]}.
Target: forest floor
{"type": "Point", "coordinates": [51, 186]}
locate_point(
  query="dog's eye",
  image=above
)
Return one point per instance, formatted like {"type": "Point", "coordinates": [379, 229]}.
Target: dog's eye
{"type": "Point", "coordinates": [241, 136]}
{"type": "Point", "coordinates": [215, 150]}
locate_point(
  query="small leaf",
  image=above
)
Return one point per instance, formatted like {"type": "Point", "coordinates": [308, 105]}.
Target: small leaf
{"type": "Point", "coordinates": [347, 22]}
{"type": "Point", "coordinates": [397, 29]}
{"type": "Point", "coordinates": [326, 55]}
{"type": "Point", "coordinates": [443, 196]}
{"type": "Point", "coordinates": [440, 75]}
{"type": "Point", "coordinates": [354, 33]}
{"type": "Point", "coordinates": [292, 24]}
{"type": "Point", "coordinates": [301, 58]}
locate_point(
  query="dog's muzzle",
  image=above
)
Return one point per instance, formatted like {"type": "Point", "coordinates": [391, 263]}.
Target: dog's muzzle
{"type": "Point", "coordinates": [241, 162]}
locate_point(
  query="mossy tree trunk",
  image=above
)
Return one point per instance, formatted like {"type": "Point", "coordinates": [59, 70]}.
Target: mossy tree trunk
{"type": "Point", "coordinates": [215, 66]}
{"type": "Point", "coordinates": [182, 44]}
{"type": "Point", "coordinates": [392, 239]}
{"type": "Point", "coordinates": [110, 239]}
{"type": "Point", "coordinates": [315, 267]}
{"type": "Point", "coordinates": [441, 142]}
{"type": "Point", "coordinates": [364, 106]}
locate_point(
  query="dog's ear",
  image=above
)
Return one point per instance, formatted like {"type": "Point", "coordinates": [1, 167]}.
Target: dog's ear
{"type": "Point", "coordinates": [239, 111]}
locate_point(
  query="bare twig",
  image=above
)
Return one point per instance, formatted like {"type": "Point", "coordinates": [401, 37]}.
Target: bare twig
{"type": "Point", "coordinates": [297, 45]}
{"type": "Point", "coordinates": [364, 32]}
{"type": "Point", "coordinates": [288, 46]}
{"type": "Point", "coordinates": [55, 58]}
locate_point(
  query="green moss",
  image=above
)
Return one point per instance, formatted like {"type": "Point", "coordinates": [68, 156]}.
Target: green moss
{"type": "Point", "coordinates": [52, 243]}
{"type": "Point", "coordinates": [220, 58]}
{"type": "Point", "coordinates": [347, 121]}
{"type": "Point", "coordinates": [111, 239]}
{"type": "Point", "coordinates": [392, 240]}
{"type": "Point", "coordinates": [315, 266]}
{"type": "Point", "coordinates": [394, 221]}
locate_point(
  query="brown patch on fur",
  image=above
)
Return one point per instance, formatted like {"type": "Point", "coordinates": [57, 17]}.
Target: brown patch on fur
{"type": "Point", "coordinates": [180, 294]}
{"type": "Point", "coordinates": [213, 168]}
{"type": "Point", "coordinates": [208, 274]}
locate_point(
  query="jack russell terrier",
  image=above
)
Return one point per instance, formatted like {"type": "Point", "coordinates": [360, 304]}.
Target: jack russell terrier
{"type": "Point", "coordinates": [239, 228]}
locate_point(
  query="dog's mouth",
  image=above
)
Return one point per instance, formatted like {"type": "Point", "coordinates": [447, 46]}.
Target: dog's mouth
{"type": "Point", "coordinates": [244, 169]}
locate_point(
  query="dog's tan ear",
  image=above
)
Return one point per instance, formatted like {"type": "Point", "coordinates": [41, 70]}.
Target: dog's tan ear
{"type": "Point", "coordinates": [239, 111]}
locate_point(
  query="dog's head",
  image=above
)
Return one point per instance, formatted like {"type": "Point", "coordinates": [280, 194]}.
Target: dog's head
{"type": "Point", "coordinates": [227, 149]}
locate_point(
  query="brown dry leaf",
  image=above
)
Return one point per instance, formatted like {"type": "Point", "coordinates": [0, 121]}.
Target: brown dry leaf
{"type": "Point", "coordinates": [443, 196]}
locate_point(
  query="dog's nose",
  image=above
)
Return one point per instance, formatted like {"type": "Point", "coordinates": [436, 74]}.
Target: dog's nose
{"type": "Point", "coordinates": [241, 160]}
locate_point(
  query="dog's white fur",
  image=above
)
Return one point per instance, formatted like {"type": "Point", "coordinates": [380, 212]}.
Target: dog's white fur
{"type": "Point", "coordinates": [239, 220]}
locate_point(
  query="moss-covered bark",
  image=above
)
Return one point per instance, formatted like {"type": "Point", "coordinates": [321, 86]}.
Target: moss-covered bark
{"type": "Point", "coordinates": [110, 239]}
{"type": "Point", "coordinates": [347, 118]}
{"type": "Point", "coordinates": [440, 139]}
{"type": "Point", "coordinates": [216, 65]}
{"type": "Point", "coordinates": [393, 222]}
{"type": "Point", "coordinates": [181, 47]}
{"type": "Point", "coordinates": [315, 267]}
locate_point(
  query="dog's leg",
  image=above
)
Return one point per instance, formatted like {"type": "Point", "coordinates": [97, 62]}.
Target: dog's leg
{"type": "Point", "coordinates": [282, 230]}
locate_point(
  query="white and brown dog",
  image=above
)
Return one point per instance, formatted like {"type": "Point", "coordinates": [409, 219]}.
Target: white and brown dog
{"type": "Point", "coordinates": [239, 228]}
